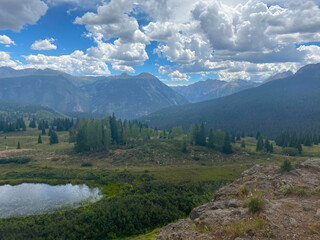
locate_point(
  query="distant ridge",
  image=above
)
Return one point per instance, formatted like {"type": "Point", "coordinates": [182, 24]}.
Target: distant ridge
{"type": "Point", "coordinates": [212, 89]}
{"type": "Point", "coordinates": [289, 104]}
{"type": "Point", "coordinates": [279, 76]}
{"type": "Point", "coordinates": [127, 96]}
{"type": "Point", "coordinates": [131, 96]}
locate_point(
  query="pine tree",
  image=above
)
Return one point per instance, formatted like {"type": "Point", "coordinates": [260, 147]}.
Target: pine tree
{"type": "Point", "coordinates": [299, 147]}
{"type": "Point", "coordinates": [39, 139]}
{"type": "Point", "coordinates": [267, 145]}
{"type": "Point", "coordinates": [53, 137]}
{"type": "Point", "coordinates": [81, 139]}
{"type": "Point", "coordinates": [107, 138]}
{"type": "Point", "coordinates": [201, 136]}
{"type": "Point", "coordinates": [259, 144]}
{"type": "Point", "coordinates": [227, 148]}
{"type": "Point", "coordinates": [258, 135]}
{"type": "Point", "coordinates": [271, 148]}
{"type": "Point", "coordinates": [218, 139]}
{"type": "Point", "coordinates": [114, 129]}
{"type": "Point", "coordinates": [210, 139]}
{"type": "Point", "coordinates": [32, 123]}
{"type": "Point", "coordinates": [50, 131]}
{"type": "Point", "coordinates": [43, 131]}
{"type": "Point", "coordinates": [18, 146]}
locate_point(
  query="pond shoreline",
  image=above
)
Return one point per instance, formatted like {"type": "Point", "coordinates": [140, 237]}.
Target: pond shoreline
{"type": "Point", "coordinates": [40, 198]}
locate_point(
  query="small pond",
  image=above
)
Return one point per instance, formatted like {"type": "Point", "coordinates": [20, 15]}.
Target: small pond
{"type": "Point", "coordinates": [35, 198]}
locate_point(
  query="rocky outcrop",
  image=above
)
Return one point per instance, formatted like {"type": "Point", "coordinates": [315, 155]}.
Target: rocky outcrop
{"type": "Point", "coordinates": [290, 208]}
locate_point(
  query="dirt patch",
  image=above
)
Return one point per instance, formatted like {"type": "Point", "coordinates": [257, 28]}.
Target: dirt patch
{"type": "Point", "coordinates": [8, 153]}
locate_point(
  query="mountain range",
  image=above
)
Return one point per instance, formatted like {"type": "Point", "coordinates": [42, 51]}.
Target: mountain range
{"type": "Point", "coordinates": [131, 96]}
{"type": "Point", "coordinates": [211, 89]}
{"type": "Point", "coordinates": [127, 96]}
{"type": "Point", "coordinates": [290, 103]}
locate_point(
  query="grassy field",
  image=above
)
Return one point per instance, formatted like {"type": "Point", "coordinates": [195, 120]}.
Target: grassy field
{"type": "Point", "coordinates": [161, 159]}
{"type": "Point", "coordinates": [147, 236]}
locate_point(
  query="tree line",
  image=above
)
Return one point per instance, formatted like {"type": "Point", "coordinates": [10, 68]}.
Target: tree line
{"type": "Point", "coordinates": [288, 140]}
{"type": "Point", "coordinates": [101, 134]}
{"type": "Point", "coordinates": [12, 126]}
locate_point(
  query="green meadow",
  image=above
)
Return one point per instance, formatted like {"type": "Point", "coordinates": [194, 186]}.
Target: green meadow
{"type": "Point", "coordinates": [121, 174]}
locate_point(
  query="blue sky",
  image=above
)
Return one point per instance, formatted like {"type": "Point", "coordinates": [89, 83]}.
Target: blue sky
{"type": "Point", "coordinates": [178, 43]}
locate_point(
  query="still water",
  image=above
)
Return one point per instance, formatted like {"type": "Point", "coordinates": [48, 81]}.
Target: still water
{"type": "Point", "coordinates": [35, 198]}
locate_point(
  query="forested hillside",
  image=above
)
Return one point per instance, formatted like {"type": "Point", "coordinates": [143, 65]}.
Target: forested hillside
{"type": "Point", "coordinates": [13, 109]}
{"type": "Point", "coordinates": [290, 104]}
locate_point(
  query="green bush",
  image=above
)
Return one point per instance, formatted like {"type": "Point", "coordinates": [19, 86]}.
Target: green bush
{"type": "Point", "coordinates": [255, 205]}
{"type": "Point", "coordinates": [86, 164]}
{"type": "Point", "coordinates": [286, 166]}
{"type": "Point", "coordinates": [288, 151]}
{"type": "Point", "coordinates": [18, 160]}
{"type": "Point", "coordinates": [243, 191]}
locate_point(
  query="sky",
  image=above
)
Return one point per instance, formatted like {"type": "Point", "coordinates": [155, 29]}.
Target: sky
{"type": "Point", "coordinates": [179, 41]}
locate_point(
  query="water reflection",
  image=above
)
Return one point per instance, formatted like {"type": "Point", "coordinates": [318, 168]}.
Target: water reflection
{"type": "Point", "coordinates": [29, 198]}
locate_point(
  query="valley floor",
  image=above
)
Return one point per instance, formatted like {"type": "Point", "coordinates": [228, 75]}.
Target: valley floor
{"type": "Point", "coordinates": [122, 174]}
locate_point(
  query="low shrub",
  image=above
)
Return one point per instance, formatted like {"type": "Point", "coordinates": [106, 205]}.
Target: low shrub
{"type": "Point", "coordinates": [86, 164]}
{"type": "Point", "coordinates": [288, 151]}
{"type": "Point", "coordinates": [255, 205]}
{"type": "Point", "coordinates": [18, 160]}
{"type": "Point", "coordinates": [243, 191]}
{"type": "Point", "coordinates": [286, 166]}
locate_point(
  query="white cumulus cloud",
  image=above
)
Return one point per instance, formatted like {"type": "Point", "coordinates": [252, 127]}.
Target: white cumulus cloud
{"type": "Point", "coordinates": [178, 76]}
{"type": "Point", "coordinates": [226, 37]}
{"type": "Point", "coordinates": [6, 40]}
{"type": "Point", "coordinates": [76, 63]}
{"type": "Point", "coordinates": [14, 14]}
{"type": "Point", "coordinates": [46, 44]}
{"type": "Point", "coordinates": [6, 61]}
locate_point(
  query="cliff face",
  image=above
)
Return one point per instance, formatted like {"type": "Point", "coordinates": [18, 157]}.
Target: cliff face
{"type": "Point", "coordinates": [289, 205]}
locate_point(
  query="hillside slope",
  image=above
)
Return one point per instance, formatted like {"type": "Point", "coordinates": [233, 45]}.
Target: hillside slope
{"type": "Point", "coordinates": [278, 76]}
{"type": "Point", "coordinates": [291, 208]}
{"type": "Point", "coordinates": [55, 91]}
{"type": "Point", "coordinates": [126, 96]}
{"type": "Point", "coordinates": [131, 96]}
{"type": "Point", "coordinates": [286, 104]}
{"type": "Point", "coordinates": [9, 107]}
{"type": "Point", "coordinates": [211, 89]}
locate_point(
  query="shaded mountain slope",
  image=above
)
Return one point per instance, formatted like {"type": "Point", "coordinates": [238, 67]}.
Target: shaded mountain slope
{"type": "Point", "coordinates": [286, 104]}
{"type": "Point", "coordinates": [54, 91]}
{"type": "Point", "coordinates": [278, 76]}
{"type": "Point", "coordinates": [131, 96]}
{"type": "Point", "coordinates": [19, 107]}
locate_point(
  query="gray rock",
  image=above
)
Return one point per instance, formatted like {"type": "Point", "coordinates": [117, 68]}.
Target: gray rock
{"type": "Point", "coordinates": [233, 203]}
{"type": "Point", "coordinates": [318, 214]}
{"type": "Point", "coordinates": [312, 163]}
